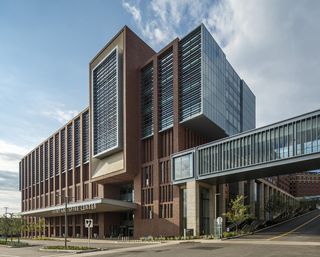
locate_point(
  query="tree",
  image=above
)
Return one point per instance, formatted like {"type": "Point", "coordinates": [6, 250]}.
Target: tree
{"type": "Point", "coordinates": [238, 212]}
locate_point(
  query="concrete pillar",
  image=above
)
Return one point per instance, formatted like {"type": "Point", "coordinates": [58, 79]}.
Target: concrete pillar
{"type": "Point", "coordinates": [222, 205]}
{"type": "Point", "coordinates": [213, 190]}
{"type": "Point", "coordinates": [261, 201]}
{"type": "Point", "coordinates": [193, 206]}
{"type": "Point", "coordinates": [73, 226]}
{"type": "Point", "coordinates": [101, 225]}
{"type": "Point", "coordinates": [241, 188]}
{"type": "Point", "coordinates": [266, 199]}
{"type": "Point", "coordinates": [252, 193]}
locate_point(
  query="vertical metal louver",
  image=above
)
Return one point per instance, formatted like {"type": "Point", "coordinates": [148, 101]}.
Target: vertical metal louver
{"type": "Point", "coordinates": [166, 91]}
{"type": "Point", "coordinates": [56, 154]}
{"type": "Point", "coordinates": [46, 160]}
{"type": "Point", "coordinates": [37, 166]}
{"type": "Point", "coordinates": [33, 168]}
{"type": "Point", "coordinates": [190, 75]}
{"type": "Point", "coordinates": [41, 163]}
{"type": "Point", "coordinates": [20, 176]}
{"type": "Point", "coordinates": [69, 146]}
{"type": "Point", "coordinates": [29, 170]}
{"type": "Point", "coordinates": [63, 150]}
{"type": "Point", "coordinates": [77, 142]}
{"type": "Point", "coordinates": [85, 137]}
{"type": "Point", "coordinates": [51, 156]}
{"type": "Point", "coordinates": [147, 100]}
{"type": "Point", "coordinates": [105, 86]}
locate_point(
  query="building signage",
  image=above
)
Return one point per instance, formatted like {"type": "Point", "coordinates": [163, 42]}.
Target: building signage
{"type": "Point", "coordinates": [80, 208]}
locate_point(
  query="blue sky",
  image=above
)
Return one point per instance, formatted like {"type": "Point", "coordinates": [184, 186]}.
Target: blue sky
{"type": "Point", "coordinates": [46, 46]}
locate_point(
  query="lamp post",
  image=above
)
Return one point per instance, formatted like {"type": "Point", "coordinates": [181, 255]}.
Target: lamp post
{"type": "Point", "coordinates": [66, 199]}
{"type": "Point", "coordinates": [215, 213]}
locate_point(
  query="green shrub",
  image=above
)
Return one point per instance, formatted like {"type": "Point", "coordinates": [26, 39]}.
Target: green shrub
{"type": "Point", "coordinates": [69, 247]}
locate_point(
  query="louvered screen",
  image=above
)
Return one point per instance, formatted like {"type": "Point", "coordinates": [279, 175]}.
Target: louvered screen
{"type": "Point", "coordinates": [56, 154]}
{"type": "Point", "coordinates": [147, 100]}
{"type": "Point", "coordinates": [190, 75]}
{"type": "Point", "coordinates": [166, 91]}
{"type": "Point", "coordinates": [85, 137]}
{"type": "Point", "coordinates": [77, 142]}
{"type": "Point", "coordinates": [106, 105]}
{"type": "Point", "coordinates": [51, 156]}
{"type": "Point", "coordinates": [70, 147]}
{"type": "Point", "coordinates": [63, 150]}
{"type": "Point", "coordinates": [46, 160]}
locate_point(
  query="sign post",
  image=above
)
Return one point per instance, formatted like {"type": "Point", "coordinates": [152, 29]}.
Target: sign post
{"type": "Point", "coordinates": [219, 226]}
{"type": "Point", "coordinates": [88, 223]}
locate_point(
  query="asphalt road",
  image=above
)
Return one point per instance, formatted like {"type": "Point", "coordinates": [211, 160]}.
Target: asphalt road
{"type": "Point", "coordinates": [305, 228]}
{"type": "Point", "coordinates": [299, 237]}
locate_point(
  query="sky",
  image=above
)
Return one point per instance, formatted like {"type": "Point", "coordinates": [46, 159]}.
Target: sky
{"type": "Point", "coordinates": [46, 47]}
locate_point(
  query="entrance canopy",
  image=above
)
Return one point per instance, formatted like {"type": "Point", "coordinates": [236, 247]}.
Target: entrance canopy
{"type": "Point", "coordinates": [90, 206]}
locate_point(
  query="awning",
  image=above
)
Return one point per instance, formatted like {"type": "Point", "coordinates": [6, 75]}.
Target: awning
{"type": "Point", "coordinates": [89, 206]}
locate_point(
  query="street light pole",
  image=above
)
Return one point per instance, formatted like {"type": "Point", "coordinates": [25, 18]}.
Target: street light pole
{"type": "Point", "coordinates": [215, 213]}
{"type": "Point", "coordinates": [66, 199]}
{"type": "Point", "coordinates": [65, 221]}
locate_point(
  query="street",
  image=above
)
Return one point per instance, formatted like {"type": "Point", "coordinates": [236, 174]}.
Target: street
{"type": "Point", "coordinates": [297, 237]}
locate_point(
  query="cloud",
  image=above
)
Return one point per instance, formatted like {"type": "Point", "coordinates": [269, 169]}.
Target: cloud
{"type": "Point", "coordinates": [10, 156]}
{"type": "Point", "coordinates": [60, 114]}
{"type": "Point", "coordinates": [9, 181]}
{"type": "Point", "coordinates": [10, 199]}
{"type": "Point", "coordinates": [271, 44]}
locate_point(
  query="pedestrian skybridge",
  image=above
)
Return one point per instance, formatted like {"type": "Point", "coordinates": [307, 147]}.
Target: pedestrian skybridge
{"type": "Point", "coordinates": [285, 147]}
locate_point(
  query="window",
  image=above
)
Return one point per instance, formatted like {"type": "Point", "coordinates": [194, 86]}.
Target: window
{"type": "Point", "coordinates": [183, 167]}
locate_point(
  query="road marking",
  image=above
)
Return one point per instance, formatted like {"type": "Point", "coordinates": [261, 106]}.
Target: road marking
{"type": "Point", "coordinates": [295, 229]}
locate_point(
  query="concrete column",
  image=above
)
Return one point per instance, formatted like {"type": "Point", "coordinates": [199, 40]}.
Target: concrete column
{"type": "Point", "coordinates": [266, 199]}
{"type": "Point", "coordinates": [261, 201]}
{"type": "Point", "coordinates": [213, 191]}
{"type": "Point", "coordinates": [101, 225]}
{"type": "Point", "coordinates": [193, 222]}
{"type": "Point", "coordinates": [222, 204]}
{"type": "Point", "coordinates": [241, 188]}
{"type": "Point", "coordinates": [252, 197]}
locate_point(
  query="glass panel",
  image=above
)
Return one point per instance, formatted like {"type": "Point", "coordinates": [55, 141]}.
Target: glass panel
{"type": "Point", "coordinates": [183, 167]}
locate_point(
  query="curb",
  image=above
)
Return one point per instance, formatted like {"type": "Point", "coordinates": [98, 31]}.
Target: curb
{"type": "Point", "coordinates": [69, 251]}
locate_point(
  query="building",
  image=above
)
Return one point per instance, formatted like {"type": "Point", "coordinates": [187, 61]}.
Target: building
{"type": "Point", "coordinates": [305, 184]}
{"type": "Point", "coordinates": [112, 161]}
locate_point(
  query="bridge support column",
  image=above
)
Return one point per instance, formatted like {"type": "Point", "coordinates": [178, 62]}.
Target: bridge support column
{"type": "Point", "coordinates": [261, 201]}
{"type": "Point", "coordinates": [241, 188]}
{"type": "Point", "coordinates": [222, 205]}
{"type": "Point", "coordinates": [252, 197]}
{"type": "Point", "coordinates": [213, 191]}
{"type": "Point", "coordinates": [193, 216]}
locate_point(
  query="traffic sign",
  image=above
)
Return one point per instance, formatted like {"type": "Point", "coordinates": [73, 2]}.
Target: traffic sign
{"type": "Point", "coordinates": [88, 223]}
{"type": "Point", "coordinates": [219, 220]}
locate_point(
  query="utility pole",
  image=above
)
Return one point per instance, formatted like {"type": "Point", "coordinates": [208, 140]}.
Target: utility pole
{"type": "Point", "coordinates": [66, 200]}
